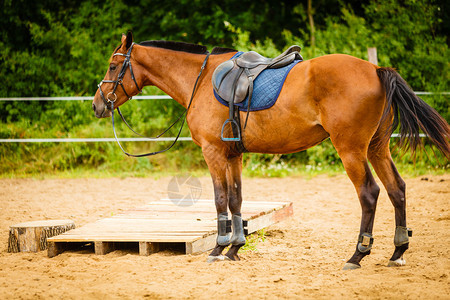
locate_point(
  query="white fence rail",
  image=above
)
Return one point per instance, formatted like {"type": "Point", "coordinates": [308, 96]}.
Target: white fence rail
{"type": "Point", "coordinates": [100, 140]}
{"type": "Point", "coordinates": [148, 97]}
{"type": "Point", "coordinates": [88, 140]}
{"type": "Point", "coordinates": [153, 97]}
{"type": "Point", "coordinates": [94, 140]}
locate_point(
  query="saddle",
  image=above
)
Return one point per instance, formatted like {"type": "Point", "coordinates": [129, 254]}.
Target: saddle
{"type": "Point", "coordinates": [233, 80]}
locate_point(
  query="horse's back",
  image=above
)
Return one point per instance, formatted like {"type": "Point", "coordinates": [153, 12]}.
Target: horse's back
{"type": "Point", "coordinates": [321, 97]}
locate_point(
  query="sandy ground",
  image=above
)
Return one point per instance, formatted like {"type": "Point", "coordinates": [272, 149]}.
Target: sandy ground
{"type": "Point", "coordinates": [301, 257]}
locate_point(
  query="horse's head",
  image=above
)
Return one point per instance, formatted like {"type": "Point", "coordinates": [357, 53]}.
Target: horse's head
{"type": "Point", "coordinates": [120, 82]}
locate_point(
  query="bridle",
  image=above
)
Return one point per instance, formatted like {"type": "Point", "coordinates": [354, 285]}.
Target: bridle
{"type": "Point", "coordinates": [109, 103]}
{"type": "Point", "coordinates": [119, 81]}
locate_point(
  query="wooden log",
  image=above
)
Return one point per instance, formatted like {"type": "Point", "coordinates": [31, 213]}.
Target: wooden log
{"type": "Point", "coordinates": [32, 236]}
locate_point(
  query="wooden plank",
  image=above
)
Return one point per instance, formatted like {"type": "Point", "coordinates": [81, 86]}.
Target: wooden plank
{"type": "Point", "coordinates": [136, 227]}
{"type": "Point", "coordinates": [132, 236]}
{"type": "Point", "coordinates": [266, 220]}
{"type": "Point", "coordinates": [163, 223]}
{"type": "Point", "coordinates": [146, 248]}
{"type": "Point", "coordinates": [102, 248]}
{"type": "Point", "coordinates": [136, 238]}
{"type": "Point", "coordinates": [137, 231]}
{"type": "Point", "coordinates": [201, 245]}
{"type": "Point", "coordinates": [55, 248]}
{"type": "Point", "coordinates": [144, 223]}
{"type": "Point", "coordinates": [211, 201]}
{"type": "Point", "coordinates": [282, 214]}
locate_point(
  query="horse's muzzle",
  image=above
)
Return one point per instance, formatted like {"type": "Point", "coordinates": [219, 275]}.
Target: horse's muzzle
{"type": "Point", "coordinates": [100, 109]}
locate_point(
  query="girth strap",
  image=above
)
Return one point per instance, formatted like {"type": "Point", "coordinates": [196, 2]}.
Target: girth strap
{"type": "Point", "coordinates": [250, 93]}
{"type": "Point", "coordinates": [239, 145]}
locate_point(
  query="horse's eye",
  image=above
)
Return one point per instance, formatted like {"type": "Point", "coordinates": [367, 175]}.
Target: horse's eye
{"type": "Point", "coordinates": [112, 68]}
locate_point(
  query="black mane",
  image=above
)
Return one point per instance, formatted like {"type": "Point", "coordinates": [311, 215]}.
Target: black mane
{"type": "Point", "coordinates": [176, 46]}
{"type": "Point", "coordinates": [185, 47]}
{"type": "Point", "coordinates": [221, 50]}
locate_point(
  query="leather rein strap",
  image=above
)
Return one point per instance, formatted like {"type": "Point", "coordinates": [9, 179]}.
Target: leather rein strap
{"type": "Point", "coordinates": [110, 103]}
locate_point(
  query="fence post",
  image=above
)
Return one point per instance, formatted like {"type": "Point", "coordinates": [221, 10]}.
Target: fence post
{"type": "Point", "coordinates": [372, 52]}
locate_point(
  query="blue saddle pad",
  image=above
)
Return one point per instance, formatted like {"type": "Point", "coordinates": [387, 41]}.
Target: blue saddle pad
{"type": "Point", "coordinates": [266, 88]}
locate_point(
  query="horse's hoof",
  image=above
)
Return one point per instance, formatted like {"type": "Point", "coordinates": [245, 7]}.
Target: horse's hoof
{"type": "Point", "coordinates": [397, 263]}
{"type": "Point", "coordinates": [212, 259]}
{"type": "Point", "coordinates": [232, 257]}
{"type": "Point", "coordinates": [350, 266]}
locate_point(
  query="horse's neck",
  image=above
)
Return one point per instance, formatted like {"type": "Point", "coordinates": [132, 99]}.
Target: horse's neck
{"type": "Point", "coordinates": [174, 72]}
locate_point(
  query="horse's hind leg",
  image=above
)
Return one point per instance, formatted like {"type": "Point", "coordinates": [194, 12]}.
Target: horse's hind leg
{"type": "Point", "coordinates": [387, 172]}
{"type": "Point", "coordinates": [354, 159]}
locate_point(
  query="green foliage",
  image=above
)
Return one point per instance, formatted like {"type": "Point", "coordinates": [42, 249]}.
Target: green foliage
{"type": "Point", "coordinates": [252, 241]}
{"type": "Point", "coordinates": [35, 158]}
{"type": "Point", "coordinates": [410, 43]}
{"type": "Point", "coordinates": [315, 160]}
{"type": "Point", "coordinates": [53, 48]}
{"type": "Point", "coordinates": [64, 53]}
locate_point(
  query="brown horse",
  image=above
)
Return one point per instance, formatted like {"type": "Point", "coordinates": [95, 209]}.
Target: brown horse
{"type": "Point", "coordinates": [351, 101]}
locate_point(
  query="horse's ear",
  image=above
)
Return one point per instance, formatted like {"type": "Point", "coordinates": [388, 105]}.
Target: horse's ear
{"type": "Point", "coordinates": [127, 40]}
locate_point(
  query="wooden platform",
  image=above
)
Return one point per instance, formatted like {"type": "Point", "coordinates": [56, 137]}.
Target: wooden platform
{"type": "Point", "coordinates": [162, 223]}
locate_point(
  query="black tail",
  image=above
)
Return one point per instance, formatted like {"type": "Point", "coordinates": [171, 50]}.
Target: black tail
{"type": "Point", "coordinates": [413, 114]}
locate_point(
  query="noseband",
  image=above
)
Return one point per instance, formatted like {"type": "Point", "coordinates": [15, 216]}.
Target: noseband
{"type": "Point", "coordinates": [119, 81]}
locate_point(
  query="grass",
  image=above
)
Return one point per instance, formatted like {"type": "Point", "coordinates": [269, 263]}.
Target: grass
{"type": "Point", "coordinates": [252, 240]}
{"type": "Point", "coordinates": [263, 171]}
{"type": "Point", "coordinates": [105, 160]}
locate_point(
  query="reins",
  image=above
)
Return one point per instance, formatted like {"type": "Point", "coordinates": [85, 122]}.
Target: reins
{"type": "Point", "coordinates": [110, 103]}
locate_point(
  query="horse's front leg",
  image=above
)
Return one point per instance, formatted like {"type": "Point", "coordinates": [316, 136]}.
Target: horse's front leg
{"type": "Point", "coordinates": [234, 202]}
{"type": "Point", "coordinates": [217, 163]}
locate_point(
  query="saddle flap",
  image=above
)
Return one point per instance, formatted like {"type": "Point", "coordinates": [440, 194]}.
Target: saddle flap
{"type": "Point", "coordinates": [284, 61]}
{"type": "Point", "coordinates": [251, 60]}
{"type": "Point", "coordinates": [242, 85]}
{"type": "Point", "coordinates": [220, 73]}
{"type": "Point", "coordinates": [291, 49]}
{"type": "Point", "coordinates": [228, 82]}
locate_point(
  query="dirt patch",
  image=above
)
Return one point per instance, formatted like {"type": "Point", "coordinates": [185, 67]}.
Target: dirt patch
{"type": "Point", "coordinates": [300, 258]}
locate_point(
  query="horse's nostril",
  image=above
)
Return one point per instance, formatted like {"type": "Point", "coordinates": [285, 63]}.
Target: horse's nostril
{"type": "Point", "coordinates": [93, 106]}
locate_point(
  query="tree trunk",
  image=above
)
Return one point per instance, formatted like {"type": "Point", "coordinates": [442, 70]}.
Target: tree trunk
{"type": "Point", "coordinates": [311, 26]}
{"type": "Point", "coordinates": [32, 236]}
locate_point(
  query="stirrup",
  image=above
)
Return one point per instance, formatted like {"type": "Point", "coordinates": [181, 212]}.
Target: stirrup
{"type": "Point", "coordinates": [232, 139]}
